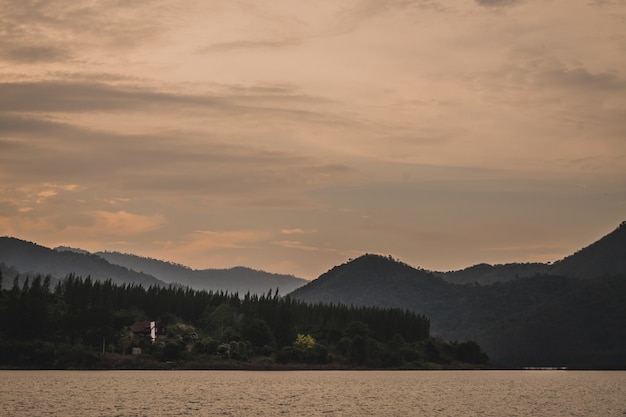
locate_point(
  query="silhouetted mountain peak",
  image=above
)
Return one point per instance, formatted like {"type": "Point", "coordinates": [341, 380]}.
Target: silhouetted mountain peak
{"type": "Point", "coordinates": [369, 280]}
{"type": "Point", "coordinates": [378, 263]}
{"type": "Point", "coordinates": [372, 267]}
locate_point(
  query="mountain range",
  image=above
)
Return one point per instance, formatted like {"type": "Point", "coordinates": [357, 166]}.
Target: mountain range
{"type": "Point", "coordinates": [570, 313]}
{"type": "Point", "coordinates": [237, 279]}
{"type": "Point", "coordinates": [19, 257]}
{"type": "Point", "coordinates": [30, 258]}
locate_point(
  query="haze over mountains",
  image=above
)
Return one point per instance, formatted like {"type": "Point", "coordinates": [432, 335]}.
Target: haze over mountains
{"type": "Point", "coordinates": [606, 256]}
{"type": "Point", "coordinates": [237, 279]}
{"type": "Point", "coordinates": [30, 258]}
{"type": "Point", "coordinates": [19, 256]}
{"type": "Point", "coordinates": [569, 313]}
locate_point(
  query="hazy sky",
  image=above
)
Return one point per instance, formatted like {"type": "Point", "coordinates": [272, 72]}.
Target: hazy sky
{"type": "Point", "coordinates": [292, 136]}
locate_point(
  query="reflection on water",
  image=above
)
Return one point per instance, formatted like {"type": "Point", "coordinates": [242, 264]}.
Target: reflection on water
{"type": "Point", "coordinates": [312, 393]}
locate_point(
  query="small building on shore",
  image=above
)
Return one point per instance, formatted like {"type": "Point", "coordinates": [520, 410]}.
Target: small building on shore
{"type": "Point", "coordinates": [151, 329]}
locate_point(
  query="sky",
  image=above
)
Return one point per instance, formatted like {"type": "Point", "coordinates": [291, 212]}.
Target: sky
{"type": "Point", "coordinates": [292, 136]}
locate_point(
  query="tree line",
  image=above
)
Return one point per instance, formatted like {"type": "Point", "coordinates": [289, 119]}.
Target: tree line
{"type": "Point", "coordinates": [84, 323]}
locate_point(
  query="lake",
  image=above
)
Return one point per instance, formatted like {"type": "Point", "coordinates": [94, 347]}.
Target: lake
{"type": "Point", "coordinates": [312, 393]}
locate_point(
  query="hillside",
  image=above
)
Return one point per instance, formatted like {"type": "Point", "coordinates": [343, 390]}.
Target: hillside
{"type": "Point", "coordinates": [374, 280]}
{"type": "Point", "coordinates": [607, 256]}
{"type": "Point", "coordinates": [540, 320]}
{"type": "Point", "coordinates": [237, 279]}
{"type": "Point", "coordinates": [30, 258]}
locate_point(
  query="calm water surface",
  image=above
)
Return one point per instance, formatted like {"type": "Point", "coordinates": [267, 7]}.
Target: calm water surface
{"type": "Point", "coordinates": [312, 393]}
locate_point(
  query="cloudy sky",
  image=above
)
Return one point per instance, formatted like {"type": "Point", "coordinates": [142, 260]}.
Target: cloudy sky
{"type": "Point", "coordinates": [292, 136]}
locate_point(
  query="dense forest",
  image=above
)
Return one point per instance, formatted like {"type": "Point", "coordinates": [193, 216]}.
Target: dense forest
{"type": "Point", "coordinates": [543, 320]}
{"type": "Point", "coordinates": [83, 323]}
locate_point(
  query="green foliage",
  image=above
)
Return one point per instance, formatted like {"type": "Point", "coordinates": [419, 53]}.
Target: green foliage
{"type": "Point", "coordinates": [304, 350]}
{"type": "Point", "coordinates": [304, 342]}
{"type": "Point", "coordinates": [206, 346]}
{"type": "Point", "coordinates": [259, 334]}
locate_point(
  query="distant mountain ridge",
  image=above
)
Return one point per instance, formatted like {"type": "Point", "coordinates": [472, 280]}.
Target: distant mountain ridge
{"type": "Point", "coordinates": [488, 274]}
{"type": "Point", "coordinates": [604, 257]}
{"type": "Point", "coordinates": [31, 258]}
{"type": "Point", "coordinates": [237, 279]}
{"type": "Point", "coordinates": [27, 258]}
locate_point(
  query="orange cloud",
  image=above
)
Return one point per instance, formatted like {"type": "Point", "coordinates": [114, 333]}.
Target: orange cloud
{"type": "Point", "coordinates": [296, 231]}
{"type": "Point", "coordinates": [295, 244]}
{"type": "Point", "coordinates": [123, 223]}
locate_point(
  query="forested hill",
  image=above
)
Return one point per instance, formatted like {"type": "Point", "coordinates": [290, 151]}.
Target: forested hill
{"type": "Point", "coordinates": [238, 279]}
{"type": "Point", "coordinates": [373, 280]}
{"type": "Point", "coordinates": [30, 258]}
{"type": "Point", "coordinates": [543, 320]}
